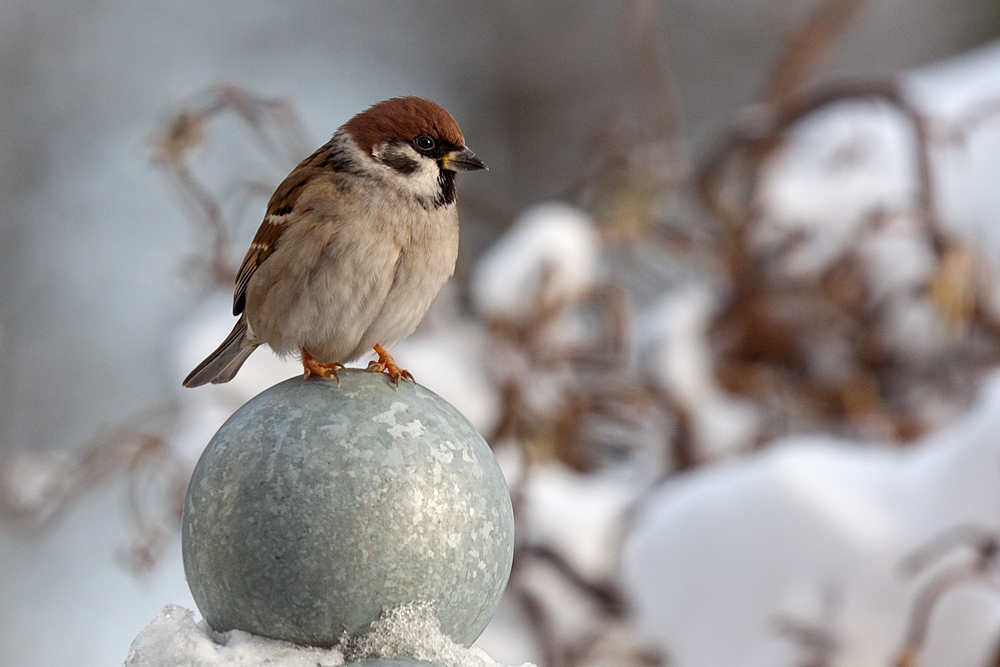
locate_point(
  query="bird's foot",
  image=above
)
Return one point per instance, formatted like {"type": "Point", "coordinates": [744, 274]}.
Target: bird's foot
{"type": "Point", "coordinates": [312, 367]}
{"type": "Point", "coordinates": [386, 363]}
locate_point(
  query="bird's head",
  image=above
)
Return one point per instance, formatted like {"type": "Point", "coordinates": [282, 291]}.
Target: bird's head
{"type": "Point", "coordinates": [416, 144]}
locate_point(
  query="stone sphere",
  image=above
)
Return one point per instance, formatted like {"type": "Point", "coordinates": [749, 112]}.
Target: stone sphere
{"type": "Point", "coordinates": [318, 506]}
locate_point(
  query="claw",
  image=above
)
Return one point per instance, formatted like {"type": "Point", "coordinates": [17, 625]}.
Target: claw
{"type": "Point", "coordinates": [312, 367]}
{"type": "Point", "coordinates": [386, 363]}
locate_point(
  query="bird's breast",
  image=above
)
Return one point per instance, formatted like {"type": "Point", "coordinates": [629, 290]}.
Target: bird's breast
{"type": "Point", "coordinates": [351, 272]}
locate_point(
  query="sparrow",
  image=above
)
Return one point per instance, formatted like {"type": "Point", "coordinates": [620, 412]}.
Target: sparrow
{"type": "Point", "coordinates": [354, 247]}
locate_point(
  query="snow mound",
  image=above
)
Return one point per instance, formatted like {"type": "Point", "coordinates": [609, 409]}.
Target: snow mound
{"type": "Point", "coordinates": [174, 639]}
{"type": "Point", "coordinates": [718, 557]}
{"type": "Point", "coordinates": [411, 631]}
{"type": "Point", "coordinates": [549, 256]}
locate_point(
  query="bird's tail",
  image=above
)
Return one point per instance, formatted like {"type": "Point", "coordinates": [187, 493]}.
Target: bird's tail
{"type": "Point", "coordinates": [223, 364]}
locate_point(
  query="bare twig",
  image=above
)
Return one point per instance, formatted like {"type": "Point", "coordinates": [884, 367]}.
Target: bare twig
{"type": "Point", "coordinates": [126, 449]}
{"type": "Point", "coordinates": [821, 32]}
{"type": "Point", "coordinates": [959, 130]}
{"type": "Point", "coordinates": [983, 568]}
{"type": "Point", "coordinates": [817, 641]}
{"type": "Point", "coordinates": [661, 108]}
{"type": "Point", "coordinates": [273, 125]}
{"type": "Point", "coordinates": [608, 597]}
{"type": "Point", "coordinates": [541, 625]}
{"type": "Point", "coordinates": [985, 543]}
{"type": "Point", "coordinates": [767, 126]}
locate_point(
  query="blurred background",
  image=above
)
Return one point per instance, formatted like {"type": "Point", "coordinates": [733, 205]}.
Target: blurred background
{"type": "Point", "coordinates": [727, 307]}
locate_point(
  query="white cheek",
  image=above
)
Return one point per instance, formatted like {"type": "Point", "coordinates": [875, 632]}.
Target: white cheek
{"type": "Point", "coordinates": [423, 182]}
{"type": "Point", "coordinates": [425, 179]}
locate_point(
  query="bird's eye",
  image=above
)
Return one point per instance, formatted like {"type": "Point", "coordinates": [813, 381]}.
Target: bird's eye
{"type": "Point", "coordinates": [424, 143]}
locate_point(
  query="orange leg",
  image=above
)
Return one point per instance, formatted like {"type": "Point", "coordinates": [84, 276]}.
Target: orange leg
{"type": "Point", "coordinates": [313, 367]}
{"type": "Point", "coordinates": [385, 363]}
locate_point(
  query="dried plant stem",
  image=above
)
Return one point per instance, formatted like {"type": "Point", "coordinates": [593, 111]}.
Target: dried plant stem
{"type": "Point", "coordinates": [648, 59]}
{"type": "Point", "coordinates": [747, 141]}
{"type": "Point", "coordinates": [205, 210]}
{"type": "Point", "coordinates": [272, 123]}
{"type": "Point", "coordinates": [972, 120]}
{"type": "Point", "coordinates": [821, 32]}
{"type": "Point", "coordinates": [983, 568]}
{"type": "Point", "coordinates": [124, 449]}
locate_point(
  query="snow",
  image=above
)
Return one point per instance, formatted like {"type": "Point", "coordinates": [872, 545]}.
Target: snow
{"type": "Point", "coordinates": [548, 256]}
{"type": "Point", "coordinates": [896, 257]}
{"type": "Point", "coordinates": [579, 516]}
{"type": "Point", "coordinates": [718, 555]}
{"type": "Point", "coordinates": [509, 636]}
{"type": "Point", "coordinates": [966, 170]}
{"type": "Point", "coordinates": [412, 631]}
{"type": "Point", "coordinates": [452, 361]}
{"type": "Point", "coordinates": [174, 639]}
{"type": "Point", "coordinates": [843, 164]}
{"type": "Point", "coordinates": [674, 335]}
{"type": "Point", "coordinates": [913, 329]}
{"type": "Point", "coordinates": [30, 480]}
{"type": "Point", "coordinates": [837, 168]}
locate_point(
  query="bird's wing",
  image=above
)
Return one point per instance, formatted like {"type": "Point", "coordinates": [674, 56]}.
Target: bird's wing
{"type": "Point", "coordinates": [280, 214]}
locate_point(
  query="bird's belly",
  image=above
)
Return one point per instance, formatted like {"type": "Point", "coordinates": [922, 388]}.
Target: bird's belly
{"type": "Point", "coordinates": [418, 279]}
{"type": "Point", "coordinates": [405, 306]}
{"type": "Point", "coordinates": [356, 287]}
{"type": "Point", "coordinates": [325, 305]}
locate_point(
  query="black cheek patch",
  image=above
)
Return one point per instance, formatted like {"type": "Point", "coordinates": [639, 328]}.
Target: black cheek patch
{"type": "Point", "coordinates": [401, 163]}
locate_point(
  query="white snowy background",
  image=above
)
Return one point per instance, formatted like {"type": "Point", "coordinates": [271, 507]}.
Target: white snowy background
{"type": "Point", "coordinates": [105, 307]}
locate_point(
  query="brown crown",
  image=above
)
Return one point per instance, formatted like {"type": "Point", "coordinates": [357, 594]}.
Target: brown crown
{"type": "Point", "coordinates": [403, 118]}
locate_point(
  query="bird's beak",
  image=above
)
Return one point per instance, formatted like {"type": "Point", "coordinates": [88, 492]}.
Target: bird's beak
{"type": "Point", "coordinates": [462, 160]}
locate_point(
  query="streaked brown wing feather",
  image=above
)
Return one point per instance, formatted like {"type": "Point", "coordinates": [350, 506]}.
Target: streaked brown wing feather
{"type": "Point", "coordinates": [280, 214]}
{"type": "Point", "coordinates": [261, 248]}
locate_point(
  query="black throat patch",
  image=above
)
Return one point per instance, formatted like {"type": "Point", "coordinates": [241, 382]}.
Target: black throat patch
{"type": "Point", "coordinates": [446, 181]}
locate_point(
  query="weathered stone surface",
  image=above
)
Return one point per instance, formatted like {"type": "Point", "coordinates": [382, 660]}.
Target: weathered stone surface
{"type": "Point", "coordinates": [317, 506]}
